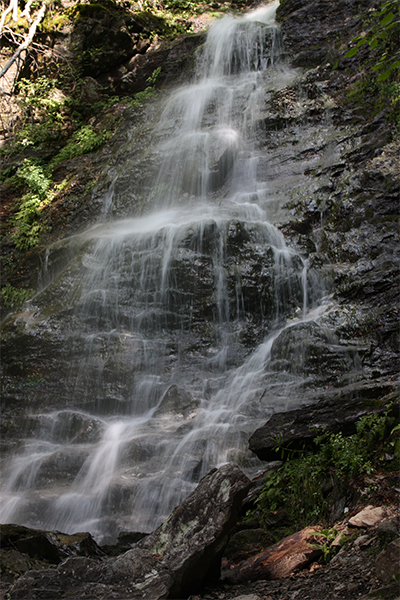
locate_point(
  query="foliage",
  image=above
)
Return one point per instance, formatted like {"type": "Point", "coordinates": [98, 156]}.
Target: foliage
{"type": "Point", "coordinates": [84, 140]}
{"type": "Point", "coordinates": [43, 111]}
{"type": "Point", "coordinates": [328, 551]}
{"type": "Point", "coordinates": [150, 90]}
{"type": "Point", "coordinates": [12, 296]}
{"type": "Point", "coordinates": [28, 222]}
{"type": "Point", "coordinates": [302, 485]}
{"type": "Point", "coordinates": [384, 36]}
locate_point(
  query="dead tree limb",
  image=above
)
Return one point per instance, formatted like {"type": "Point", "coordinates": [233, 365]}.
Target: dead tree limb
{"type": "Point", "coordinates": [13, 6]}
{"type": "Point", "coordinates": [28, 39]}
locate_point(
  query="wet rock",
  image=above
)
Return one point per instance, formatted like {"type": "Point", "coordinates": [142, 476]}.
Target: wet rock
{"type": "Point", "coordinates": [388, 562]}
{"type": "Point", "coordinates": [310, 30]}
{"type": "Point", "coordinates": [173, 58]}
{"type": "Point", "coordinates": [298, 427]}
{"type": "Point", "coordinates": [51, 546]}
{"type": "Point", "coordinates": [192, 539]}
{"type": "Point", "coordinates": [176, 400]}
{"type": "Point", "coordinates": [125, 541]}
{"type": "Point", "coordinates": [276, 562]}
{"type": "Point", "coordinates": [171, 562]}
{"type": "Point", "coordinates": [314, 352]}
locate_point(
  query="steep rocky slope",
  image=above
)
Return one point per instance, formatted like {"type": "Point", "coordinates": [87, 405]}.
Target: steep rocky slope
{"type": "Point", "coordinates": [343, 215]}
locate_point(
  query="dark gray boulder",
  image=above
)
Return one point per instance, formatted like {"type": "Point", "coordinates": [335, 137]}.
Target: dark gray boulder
{"type": "Point", "coordinates": [301, 426]}
{"type": "Point", "coordinates": [172, 562]}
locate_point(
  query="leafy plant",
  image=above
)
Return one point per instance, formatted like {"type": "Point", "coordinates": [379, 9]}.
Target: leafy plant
{"type": "Point", "coordinates": [43, 111]}
{"type": "Point", "coordinates": [12, 296]}
{"type": "Point", "coordinates": [383, 36]}
{"type": "Point", "coordinates": [150, 90]}
{"type": "Point", "coordinates": [328, 536]}
{"type": "Point", "coordinates": [84, 140]}
{"type": "Point", "coordinates": [27, 220]}
{"type": "Point", "coordinates": [303, 484]}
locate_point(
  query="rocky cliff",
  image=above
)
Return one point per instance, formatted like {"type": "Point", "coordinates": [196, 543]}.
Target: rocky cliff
{"type": "Point", "coordinates": [341, 213]}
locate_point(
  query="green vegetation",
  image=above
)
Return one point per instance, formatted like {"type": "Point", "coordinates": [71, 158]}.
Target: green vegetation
{"type": "Point", "coordinates": [150, 90]}
{"type": "Point", "coordinates": [378, 87]}
{"type": "Point", "coordinates": [382, 34]}
{"type": "Point", "coordinates": [28, 222]}
{"type": "Point", "coordinates": [305, 484]}
{"type": "Point", "coordinates": [13, 297]}
{"type": "Point", "coordinates": [83, 141]}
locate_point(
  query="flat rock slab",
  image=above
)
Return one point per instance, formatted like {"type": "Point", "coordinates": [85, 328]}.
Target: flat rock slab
{"type": "Point", "coordinates": [276, 562]}
{"type": "Point", "coordinates": [301, 426]}
{"type": "Point", "coordinates": [368, 517]}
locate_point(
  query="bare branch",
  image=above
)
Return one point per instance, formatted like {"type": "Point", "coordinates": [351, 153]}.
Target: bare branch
{"type": "Point", "coordinates": [27, 11]}
{"type": "Point", "coordinates": [28, 39]}
{"type": "Point", "coordinates": [4, 16]}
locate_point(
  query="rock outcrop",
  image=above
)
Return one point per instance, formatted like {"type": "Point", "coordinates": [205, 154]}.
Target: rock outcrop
{"type": "Point", "coordinates": [296, 429]}
{"type": "Point", "coordinates": [174, 561]}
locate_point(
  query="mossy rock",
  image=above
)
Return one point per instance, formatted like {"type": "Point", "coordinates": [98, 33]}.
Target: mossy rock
{"type": "Point", "coordinates": [93, 11]}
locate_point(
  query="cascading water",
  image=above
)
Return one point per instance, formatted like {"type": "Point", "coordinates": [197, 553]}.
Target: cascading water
{"type": "Point", "coordinates": [163, 385]}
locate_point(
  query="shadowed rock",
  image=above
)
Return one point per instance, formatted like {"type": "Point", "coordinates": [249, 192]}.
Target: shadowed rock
{"type": "Point", "coordinates": [174, 561]}
{"type": "Point", "coordinates": [276, 562]}
{"type": "Point", "coordinates": [301, 426]}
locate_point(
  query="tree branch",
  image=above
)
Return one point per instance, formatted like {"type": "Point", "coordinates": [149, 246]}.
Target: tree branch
{"type": "Point", "coordinates": [28, 39]}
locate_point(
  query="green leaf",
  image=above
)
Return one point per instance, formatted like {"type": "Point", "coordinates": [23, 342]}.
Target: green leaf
{"type": "Point", "coordinates": [351, 52]}
{"type": "Point", "coordinates": [384, 75]}
{"type": "Point", "coordinates": [374, 43]}
{"type": "Point", "coordinates": [388, 19]}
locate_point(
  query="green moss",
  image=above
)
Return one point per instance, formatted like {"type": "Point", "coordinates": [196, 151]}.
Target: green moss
{"type": "Point", "coordinates": [91, 11]}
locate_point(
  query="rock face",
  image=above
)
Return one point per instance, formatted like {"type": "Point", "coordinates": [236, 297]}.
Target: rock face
{"type": "Point", "coordinates": [53, 547]}
{"type": "Point", "coordinates": [388, 562]}
{"type": "Point", "coordinates": [295, 428]}
{"type": "Point", "coordinates": [341, 206]}
{"type": "Point", "coordinates": [174, 561]}
{"type": "Point", "coordinates": [312, 29]}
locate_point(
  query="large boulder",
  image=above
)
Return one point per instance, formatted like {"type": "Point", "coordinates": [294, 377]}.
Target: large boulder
{"type": "Point", "coordinates": [301, 426]}
{"type": "Point", "coordinates": [174, 561]}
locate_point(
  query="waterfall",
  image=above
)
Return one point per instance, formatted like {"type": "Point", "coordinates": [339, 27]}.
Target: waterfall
{"type": "Point", "coordinates": [167, 308]}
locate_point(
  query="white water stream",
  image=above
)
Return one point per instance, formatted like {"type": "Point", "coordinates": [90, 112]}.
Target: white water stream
{"type": "Point", "coordinates": [183, 412]}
